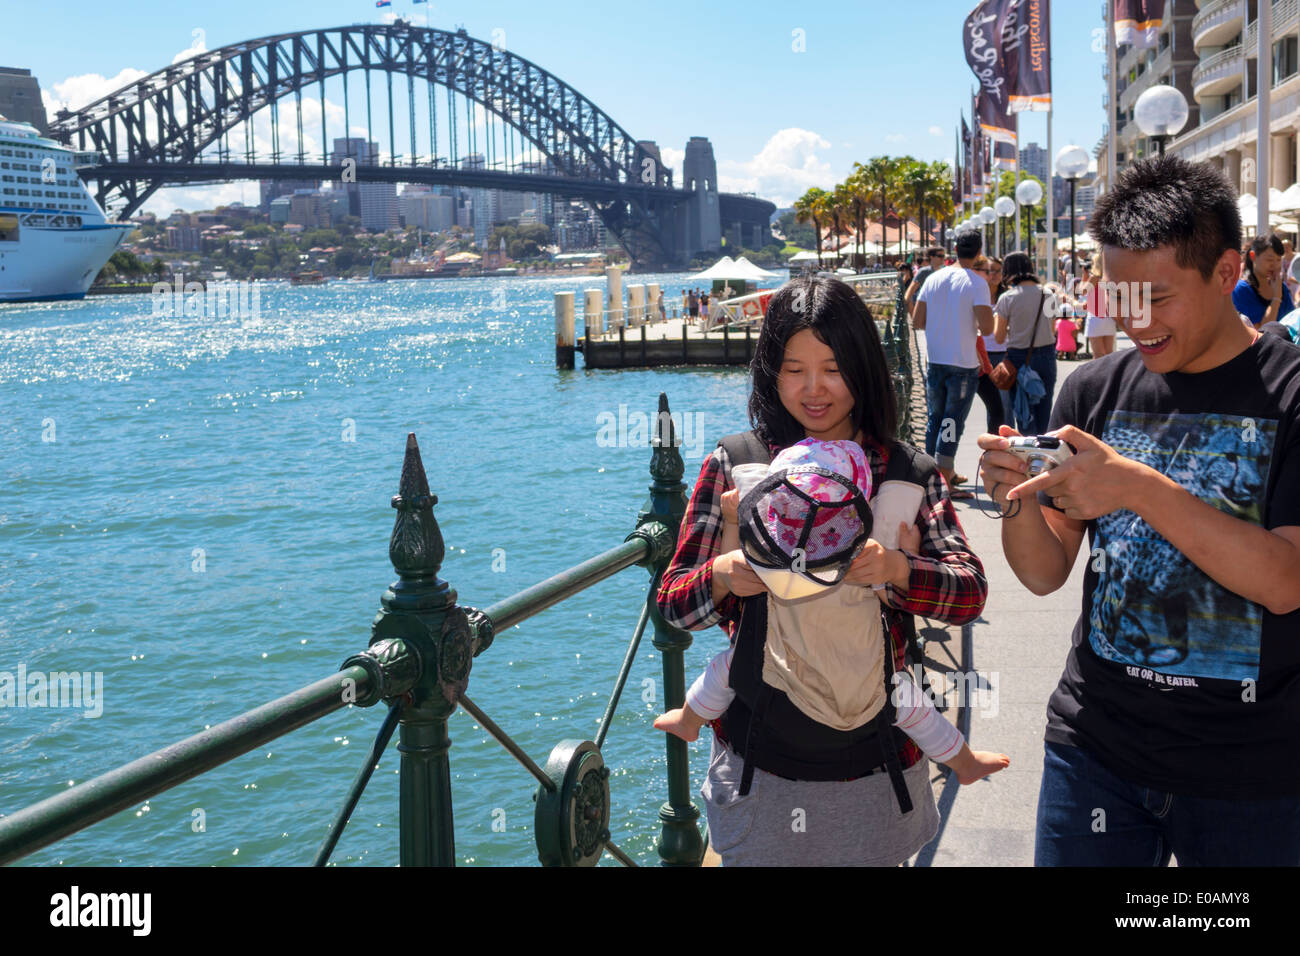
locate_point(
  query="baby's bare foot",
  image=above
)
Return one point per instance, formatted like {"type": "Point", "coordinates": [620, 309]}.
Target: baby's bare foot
{"type": "Point", "coordinates": [678, 723]}
{"type": "Point", "coordinates": [971, 765]}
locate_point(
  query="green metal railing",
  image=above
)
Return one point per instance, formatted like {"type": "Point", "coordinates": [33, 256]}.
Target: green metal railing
{"type": "Point", "coordinates": [422, 648]}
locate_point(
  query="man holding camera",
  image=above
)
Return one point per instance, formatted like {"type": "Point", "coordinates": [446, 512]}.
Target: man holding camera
{"type": "Point", "coordinates": [1175, 728]}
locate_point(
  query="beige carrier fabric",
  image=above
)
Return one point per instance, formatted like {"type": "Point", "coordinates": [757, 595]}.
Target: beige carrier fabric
{"type": "Point", "coordinates": [827, 654]}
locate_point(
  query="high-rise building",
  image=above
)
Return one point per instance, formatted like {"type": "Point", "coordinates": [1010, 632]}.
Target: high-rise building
{"type": "Point", "coordinates": [420, 206]}
{"type": "Point", "coordinates": [270, 189]}
{"type": "Point", "coordinates": [380, 199]}
{"type": "Point", "coordinates": [1033, 161]}
{"type": "Point", "coordinates": [309, 208]}
{"type": "Point", "coordinates": [20, 98]}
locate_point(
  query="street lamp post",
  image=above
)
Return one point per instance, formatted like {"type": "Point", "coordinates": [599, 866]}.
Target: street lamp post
{"type": "Point", "coordinates": [1029, 194]}
{"type": "Point", "coordinates": [1071, 163]}
{"type": "Point", "coordinates": [1005, 207]}
{"type": "Point", "coordinates": [1160, 113]}
{"type": "Point", "coordinates": [986, 217]}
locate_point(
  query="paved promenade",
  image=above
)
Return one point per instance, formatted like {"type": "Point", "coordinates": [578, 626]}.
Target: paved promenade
{"type": "Point", "coordinates": [1019, 646]}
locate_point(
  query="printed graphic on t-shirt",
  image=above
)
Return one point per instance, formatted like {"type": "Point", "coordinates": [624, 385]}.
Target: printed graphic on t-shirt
{"type": "Point", "coordinates": [1152, 609]}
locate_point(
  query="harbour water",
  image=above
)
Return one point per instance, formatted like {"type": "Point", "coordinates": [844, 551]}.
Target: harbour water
{"type": "Point", "coordinates": [195, 508]}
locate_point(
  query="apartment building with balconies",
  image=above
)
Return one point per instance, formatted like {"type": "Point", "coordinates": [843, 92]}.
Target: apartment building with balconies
{"type": "Point", "coordinates": [1173, 61]}
{"type": "Point", "coordinates": [1225, 36]}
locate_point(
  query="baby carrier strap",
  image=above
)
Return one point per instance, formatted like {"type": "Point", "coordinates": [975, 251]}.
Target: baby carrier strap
{"type": "Point", "coordinates": [745, 448]}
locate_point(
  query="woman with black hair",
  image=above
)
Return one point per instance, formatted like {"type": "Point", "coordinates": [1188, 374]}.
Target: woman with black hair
{"type": "Point", "coordinates": [1024, 321]}
{"type": "Point", "coordinates": [819, 372]}
{"type": "Point", "coordinates": [1261, 295]}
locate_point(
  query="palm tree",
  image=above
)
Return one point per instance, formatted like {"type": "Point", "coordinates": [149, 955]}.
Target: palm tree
{"type": "Point", "coordinates": [808, 208]}
{"type": "Point", "coordinates": [860, 191]}
{"type": "Point", "coordinates": [914, 179]}
{"type": "Point", "coordinates": [937, 196]}
{"type": "Point", "coordinates": [879, 172]}
{"type": "Point", "coordinates": [841, 210]}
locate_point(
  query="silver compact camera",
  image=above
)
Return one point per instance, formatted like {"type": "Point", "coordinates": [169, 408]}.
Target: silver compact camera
{"type": "Point", "coordinates": [1040, 452]}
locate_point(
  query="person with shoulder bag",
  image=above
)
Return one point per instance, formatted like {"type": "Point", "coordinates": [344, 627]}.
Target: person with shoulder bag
{"type": "Point", "coordinates": [1022, 320]}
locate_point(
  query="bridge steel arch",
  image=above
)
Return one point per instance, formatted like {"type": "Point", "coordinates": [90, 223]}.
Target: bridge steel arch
{"type": "Point", "coordinates": [170, 117]}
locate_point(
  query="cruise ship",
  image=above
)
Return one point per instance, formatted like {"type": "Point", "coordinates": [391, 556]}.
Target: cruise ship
{"type": "Point", "coordinates": [54, 238]}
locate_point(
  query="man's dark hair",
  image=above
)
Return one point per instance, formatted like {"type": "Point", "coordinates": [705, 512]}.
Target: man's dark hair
{"type": "Point", "coordinates": [839, 318]}
{"type": "Point", "coordinates": [969, 245]}
{"type": "Point", "coordinates": [935, 252]}
{"type": "Point", "coordinates": [1167, 201]}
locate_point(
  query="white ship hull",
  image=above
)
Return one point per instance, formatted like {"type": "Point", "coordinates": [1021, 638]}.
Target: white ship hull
{"type": "Point", "coordinates": [48, 264]}
{"type": "Point", "coordinates": [54, 238]}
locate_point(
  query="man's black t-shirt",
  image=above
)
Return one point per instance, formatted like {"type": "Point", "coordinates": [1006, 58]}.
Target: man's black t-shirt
{"type": "Point", "coordinates": [1173, 681]}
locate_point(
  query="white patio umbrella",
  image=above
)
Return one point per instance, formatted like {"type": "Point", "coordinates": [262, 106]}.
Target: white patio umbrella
{"type": "Point", "coordinates": [864, 248]}
{"type": "Point", "coordinates": [724, 268]}
{"type": "Point", "coordinates": [753, 273]}
{"type": "Point", "coordinates": [1289, 200]}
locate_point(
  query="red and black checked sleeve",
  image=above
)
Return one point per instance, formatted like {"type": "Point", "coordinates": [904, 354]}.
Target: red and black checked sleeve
{"type": "Point", "coordinates": [685, 595]}
{"type": "Point", "coordinates": [947, 581]}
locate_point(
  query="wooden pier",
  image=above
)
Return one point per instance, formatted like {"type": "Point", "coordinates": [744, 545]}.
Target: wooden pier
{"type": "Point", "coordinates": [634, 335]}
{"type": "Point", "coordinates": [674, 342]}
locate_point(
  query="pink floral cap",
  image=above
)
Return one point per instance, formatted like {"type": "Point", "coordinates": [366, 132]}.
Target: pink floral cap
{"type": "Point", "coordinates": [815, 493]}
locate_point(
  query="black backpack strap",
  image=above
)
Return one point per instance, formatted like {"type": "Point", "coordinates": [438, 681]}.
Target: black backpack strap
{"type": "Point", "coordinates": [745, 448]}
{"type": "Point", "coordinates": [909, 464]}
{"type": "Point", "coordinates": [889, 734]}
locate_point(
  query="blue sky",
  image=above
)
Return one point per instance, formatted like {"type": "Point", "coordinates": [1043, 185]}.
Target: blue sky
{"type": "Point", "coordinates": [873, 77]}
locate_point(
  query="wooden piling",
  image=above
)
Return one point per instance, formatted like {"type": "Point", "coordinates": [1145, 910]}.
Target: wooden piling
{"type": "Point", "coordinates": [593, 313]}
{"type": "Point", "coordinates": [614, 296]}
{"type": "Point", "coordinates": [636, 306]}
{"type": "Point", "coordinates": [565, 339]}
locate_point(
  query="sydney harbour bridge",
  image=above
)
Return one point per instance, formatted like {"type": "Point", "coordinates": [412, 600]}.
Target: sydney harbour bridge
{"type": "Point", "coordinates": [450, 109]}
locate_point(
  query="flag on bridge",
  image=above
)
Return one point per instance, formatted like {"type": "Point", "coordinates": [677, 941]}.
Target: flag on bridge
{"type": "Point", "coordinates": [1137, 22]}
{"type": "Point", "coordinates": [383, 3]}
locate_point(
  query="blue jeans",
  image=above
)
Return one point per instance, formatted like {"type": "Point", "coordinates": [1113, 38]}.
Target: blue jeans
{"type": "Point", "coordinates": [951, 393]}
{"type": "Point", "coordinates": [1087, 816]}
{"type": "Point", "coordinates": [1043, 362]}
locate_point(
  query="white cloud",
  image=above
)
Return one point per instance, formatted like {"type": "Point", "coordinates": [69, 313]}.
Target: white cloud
{"type": "Point", "coordinates": [894, 137]}
{"type": "Point", "coordinates": [414, 19]}
{"type": "Point", "coordinates": [784, 169]}
{"type": "Point", "coordinates": [673, 159]}
{"type": "Point", "coordinates": [78, 91]}
{"type": "Point", "coordinates": [936, 131]}
{"type": "Point", "coordinates": [164, 201]}
{"type": "Point", "coordinates": [198, 44]}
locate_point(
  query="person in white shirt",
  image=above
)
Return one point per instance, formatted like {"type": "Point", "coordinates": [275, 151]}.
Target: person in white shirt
{"type": "Point", "coordinates": [953, 308]}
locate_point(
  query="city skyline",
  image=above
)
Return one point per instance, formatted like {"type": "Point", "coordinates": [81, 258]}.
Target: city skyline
{"type": "Point", "coordinates": [775, 92]}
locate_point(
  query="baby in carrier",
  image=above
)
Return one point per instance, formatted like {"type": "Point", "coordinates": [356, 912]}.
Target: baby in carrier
{"type": "Point", "coordinates": [817, 471]}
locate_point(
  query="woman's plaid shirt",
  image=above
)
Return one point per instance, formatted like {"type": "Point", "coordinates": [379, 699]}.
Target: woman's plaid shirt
{"type": "Point", "coordinates": [947, 580]}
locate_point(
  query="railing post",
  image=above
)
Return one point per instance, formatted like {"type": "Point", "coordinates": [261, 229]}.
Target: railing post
{"type": "Point", "coordinates": [419, 609]}
{"type": "Point", "coordinates": [679, 843]}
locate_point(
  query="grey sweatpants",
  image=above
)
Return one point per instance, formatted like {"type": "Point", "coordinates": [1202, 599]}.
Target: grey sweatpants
{"type": "Point", "coordinates": [811, 823]}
